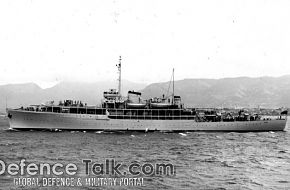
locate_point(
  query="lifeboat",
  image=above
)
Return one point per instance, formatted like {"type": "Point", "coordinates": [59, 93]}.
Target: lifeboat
{"type": "Point", "coordinates": [136, 105]}
{"type": "Point", "coordinates": [159, 105]}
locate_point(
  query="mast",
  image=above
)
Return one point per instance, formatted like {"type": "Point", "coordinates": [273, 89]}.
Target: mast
{"type": "Point", "coordinates": [173, 86]}
{"type": "Point", "coordinates": [6, 102]}
{"type": "Point", "coordinates": [119, 69]}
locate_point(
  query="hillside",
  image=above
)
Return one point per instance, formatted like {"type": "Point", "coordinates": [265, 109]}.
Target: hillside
{"type": "Point", "coordinates": [18, 95]}
{"type": "Point", "coordinates": [228, 92]}
{"type": "Point", "coordinates": [267, 92]}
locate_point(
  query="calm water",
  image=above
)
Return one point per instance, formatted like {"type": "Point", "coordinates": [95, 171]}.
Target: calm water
{"type": "Point", "coordinates": [202, 160]}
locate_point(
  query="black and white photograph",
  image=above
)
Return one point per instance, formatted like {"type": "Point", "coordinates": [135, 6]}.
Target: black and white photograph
{"type": "Point", "coordinates": [144, 94]}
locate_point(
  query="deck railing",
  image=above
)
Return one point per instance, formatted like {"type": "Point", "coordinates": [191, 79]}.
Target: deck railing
{"type": "Point", "coordinates": [145, 114]}
{"type": "Point", "coordinates": [133, 114]}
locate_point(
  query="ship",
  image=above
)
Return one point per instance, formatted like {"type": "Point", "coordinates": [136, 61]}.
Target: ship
{"type": "Point", "coordinates": [133, 113]}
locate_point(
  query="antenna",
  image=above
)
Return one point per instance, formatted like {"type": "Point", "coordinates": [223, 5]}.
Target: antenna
{"type": "Point", "coordinates": [119, 69]}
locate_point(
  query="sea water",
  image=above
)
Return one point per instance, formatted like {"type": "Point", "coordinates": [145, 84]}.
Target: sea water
{"type": "Point", "coordinates": [215, 160]}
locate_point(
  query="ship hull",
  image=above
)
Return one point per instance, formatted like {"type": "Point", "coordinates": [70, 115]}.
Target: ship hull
{"type": "Point", "coordinates": [24, 120]}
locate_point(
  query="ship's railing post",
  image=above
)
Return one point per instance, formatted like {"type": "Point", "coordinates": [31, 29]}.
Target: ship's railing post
{"type": "Point", "coordinates": [157, 114]}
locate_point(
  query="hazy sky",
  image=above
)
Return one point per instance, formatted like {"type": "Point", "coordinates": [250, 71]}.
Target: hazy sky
{"type": "Point", "coordinates": [50, 41]}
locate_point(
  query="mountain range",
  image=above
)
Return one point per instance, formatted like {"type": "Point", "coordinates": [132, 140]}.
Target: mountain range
{"type": "Point", "coordinates": [26, 94]}
{"type": "Point", "coordinates": [268, 92]}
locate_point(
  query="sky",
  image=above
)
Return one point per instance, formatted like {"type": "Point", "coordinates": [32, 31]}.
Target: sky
{"type": "Point", "coordinates": [51, 41]}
